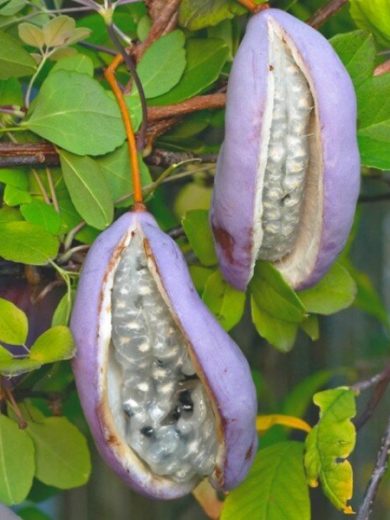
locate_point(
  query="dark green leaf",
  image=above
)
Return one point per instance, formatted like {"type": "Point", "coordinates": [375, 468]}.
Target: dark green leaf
{"type": "Point", "coordinates": [225, 302]}
{"type": "Point", "coordinates": [13, 323]}
{"type": "Point", "coordinates": [41, 214]}
{"type": "Point", "coordinates": [27, 243]}
{"type": "Point", "coordinates": [77, 63]}
{"type": "Point", "coordinates": [14, 60]}
{"type": "Point", "coordinates": [16, 462]}
{"type": "Point", "coordinates": [84, 119]}
{"type": "Point", "coordinates": [281, 334]}
{"type": "Point", "coordinates": [32, 513]}
{"type": "Point", "coordinates": [330, 443]}
{"type": "Point", "coordinates": [197, 228]}
{"type": "Point", "coordinates": [336, 291]}
{"type": "Point", "coordinates": [275, 488]}
{"type": "Point", "coordinates": [163, 64]}
{"type": "Point", "coordinates": [54, 344]}
{"type": "Point", "coordinates": [62, 455]}
{"type": "Point", "coordinates": [197, 14]}
{"type": "Point", "coordinates": [274, 296]}
{"type": "Point", "coordinates": [205, 59]}
{"type": "Point", "coordinates": [88, 189]}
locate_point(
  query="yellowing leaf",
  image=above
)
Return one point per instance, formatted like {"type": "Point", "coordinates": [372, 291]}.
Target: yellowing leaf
{"type": "Point", "coordinates": [330, 443]}
{"type": "Point", "coordinates": [265, 422]}
{"type": "Point", "coordinates": [31, 34]}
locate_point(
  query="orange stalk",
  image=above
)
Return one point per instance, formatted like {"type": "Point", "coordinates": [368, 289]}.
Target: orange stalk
{"type": "Point", "coordinates": [109, 74]}
{"type": "Point", "coordinates": [252, 6]}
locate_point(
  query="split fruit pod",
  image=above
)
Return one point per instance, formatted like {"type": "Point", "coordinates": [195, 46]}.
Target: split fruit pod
{"type": "Point", "coordinates": [288, 172]}
{"type": "Point", "coordinates": [167, 393]}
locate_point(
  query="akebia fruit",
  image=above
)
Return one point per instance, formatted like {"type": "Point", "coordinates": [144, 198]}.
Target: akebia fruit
{"type": "Point", "coordinates": [288, 171]}
{"type": "Point", "coordinates": [167, 394]}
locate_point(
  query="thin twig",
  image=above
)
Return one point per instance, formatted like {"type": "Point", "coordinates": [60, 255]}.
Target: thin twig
{"type": "Point", "coordinates": [41, 186]}
{"type": "Point", "coordinates": [324, 13]}
{"type": "Point", "coordinates": [52, 190]}
{"type": "Point", "coordinates": [98, 48]}
{"type": "Point", "coordinates": [376, 477]}
{"type": "Point", "coordinates": [206, 102]}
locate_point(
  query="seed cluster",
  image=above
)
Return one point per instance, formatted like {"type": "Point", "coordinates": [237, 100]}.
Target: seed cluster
{"type": "Point", "coordinates": [288, 152]}
{"type": "Point", "coordinates": [169, 420]}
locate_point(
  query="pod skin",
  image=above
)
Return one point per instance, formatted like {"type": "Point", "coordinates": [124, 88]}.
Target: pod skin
{"type": "Point", "coordinates": [332, 179]}
{"type": "Point", "coordinates": [222, 368]}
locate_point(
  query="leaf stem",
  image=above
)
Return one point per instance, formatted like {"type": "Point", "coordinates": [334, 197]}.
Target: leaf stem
{"type": "Point", "coordinates": [109, 74]}
{"type": "Point", "coordinates": [52, 190]}
{"type": "Point", "coordinates": [252, 6]}
{"type": "Point", "coordinates": [41, 186]}
{"type": "Point", "coordinates": [32, 80]}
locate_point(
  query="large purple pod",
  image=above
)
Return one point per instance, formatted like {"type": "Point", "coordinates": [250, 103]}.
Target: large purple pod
{"type": "Point", "coordinates": [137, 314]}
{"type": "Point", "coordinates": [288, 172]}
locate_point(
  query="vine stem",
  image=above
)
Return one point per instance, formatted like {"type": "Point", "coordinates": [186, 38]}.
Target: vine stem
{"type": "Point", "coordinates": [376, 477]}
{"type": "Point", "coordinates": [32, 80]}
{"type": "Point", "coordinates": [109, 74]}
{"type": "Point", "coordinates": [326, 12]}
{"type": "Point", "coordinates": [252, 6]}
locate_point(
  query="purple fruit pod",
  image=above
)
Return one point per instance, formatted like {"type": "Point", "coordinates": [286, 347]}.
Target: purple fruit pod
{"type": "Point", "coordinates": [167, 394]}
{"type": "Point", "coordinates": [288, 172]}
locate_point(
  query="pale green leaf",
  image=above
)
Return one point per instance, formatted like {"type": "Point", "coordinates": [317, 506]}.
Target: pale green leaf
{"type": "Point", "coordinates": [58, 30]}
{"type": "Point", "coordinates": [88, 189]}
{"type": "Point", "coordinates": [205, 59]}
{"type": "Point", "coordinates": [16, 367]}
{"type": "Point", "coordinates": [373, 16]}
{"type": "Point", "coordinates": [275, 488]}
{"type": "Point", "coordinates": [31, 34]}
{"type": "Point", "coordinates": [12, 7]}
{"type": "Point", "coordinates": [163, 64]}
{"type": "Point", "coordinates": [61, 453]}
{"type": "Point", "coordinates": [13, 323]}
{"type": "Point", "coordinates": [14, 60]}
{"type": "Point", "coordinates": [16, 462]}
{"type": "Point", "coordinates": [334, 292]}
{"type": "Point", "coordinates": [42, 214]}
{"type": "Point", "coordinates": [54, 344]}
{"type": "Point", "coordinates": [197, 229]}
{"type": "Point", "coordinates": [225, 302]}
{"type": "Point", "coordinates": [311, 327]}
{"type": "Point", "coordinates": [27, 243]}
{"type": "Point", "coordinates": [88, 123]}
{"type": "Point", "coordinates": [5, 355]}
{"type": "Point", "coordinates": [62, 312]}
{"type": "Point", "coordinates": [279, 333]}
{"type": "Point", "coordinates": [330, 443]}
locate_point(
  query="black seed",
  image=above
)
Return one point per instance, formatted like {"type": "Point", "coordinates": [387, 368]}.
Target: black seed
{"type": "Point", "coordinates": [128, 411]}
{"type": "Point", "coordinates": [147, 431]}
{"type": "Point", "coordinates": [160, 362]}
{"type": "Point", "coordinates": [186, 401]}
{"type": "Point", "coordinates": [176, 414]}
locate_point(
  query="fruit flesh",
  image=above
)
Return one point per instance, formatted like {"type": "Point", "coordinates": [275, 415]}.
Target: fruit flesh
{"type": "Point", "coordinates": [165, 412]}
{"type": "Point", "coordinates": [287, 158]}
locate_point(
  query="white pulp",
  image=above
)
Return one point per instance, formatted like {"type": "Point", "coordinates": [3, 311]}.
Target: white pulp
{"type": "Point", "coordinates": [168, 418]}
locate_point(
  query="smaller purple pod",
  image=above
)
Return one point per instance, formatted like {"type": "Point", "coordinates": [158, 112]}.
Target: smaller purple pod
{"type": "Point", "coordinates": [288, 172]}
{"type": "Point", "coordinates": [167, 393]}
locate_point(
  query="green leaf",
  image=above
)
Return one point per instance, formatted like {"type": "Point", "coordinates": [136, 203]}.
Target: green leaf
{"type": "Point", "coordinates": [32, 513]}
{"type": "Point", "coordinates": [197, 229]}
{"type": "Point", "coordinates": [13, 323]}
{"type": "Point", "coordinates": [197, 14]}
{"type": "Point", "coordinates": [54, 344]}
{"type": "Point", "coordinates": [88, 189]}
{"type": "Point", "coordinates": [31, 34]}
{"type": "Point", "coordinates": [275, 488]}
{"type": "Point", "coordinates": [15, 196]}
{"type": "Point", "coordinates": [42, 214]}
{"type": "Point", "coordinates": [281, 334]}
{"type": "Point", "coordinates": [61, 453]}
{"type": "Point", "coordinates": [274, 296]}
{"type": "Point", "coordinates": [62, 313]}
{"type": "Point", "coordinates": [15, 178]}
{"type": "Point", "coordinates": [205, 59]}
{"type": "Point", "coordinates": [77, 63]}
{"type": "Point", "coordinates": [330, 443]}
{"type": "Point", "coordinates": [57, 30]}
{"type": "Point", "coordinates": [88, 123]}
{"type": "Point", "coordinates": [200, 275]}
{"type": "Point", "coordinates": [163, 64]}
{"type": "Point", "coordinates": [11, 92]}
{"type": "Point", "coordinates": [373, 16]}
{"type": "Point", "coordinates": [16, 367]}
{"type": "Point", "coordinates": [12, 7]}
{"type": "Point", "coordinates": [5, 355]}
{"type": "Point", "coordinates": [334, 292]}
{"type": "Point", "coordinates": [225, 302]}
{"type": "Point", "coordinates": [14, 60]}
{"type": "Point", "coordinates": [9, 215]}
{"type": "Point", "coordinates": [357, 52]}
{"type": "Point", "coordinates": [117, 172]}
{"type": "Point", "coordinates": [311, 327]}
{"type": "Point", "coordinates": [16, 462]}
{"type": "Point", "coordinates": [27, 243]}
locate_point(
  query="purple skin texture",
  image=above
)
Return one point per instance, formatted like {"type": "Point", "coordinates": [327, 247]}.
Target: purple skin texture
{"type": "Point", "coordinates": [232, 214]}
{"type": "Point", "coordinates": [224, 369]}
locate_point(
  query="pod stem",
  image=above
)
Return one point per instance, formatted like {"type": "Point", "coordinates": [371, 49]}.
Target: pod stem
{"type": "Point", "coordinates": [252, 6]}
{"type": "Point", "coordinates": [109, 74]}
